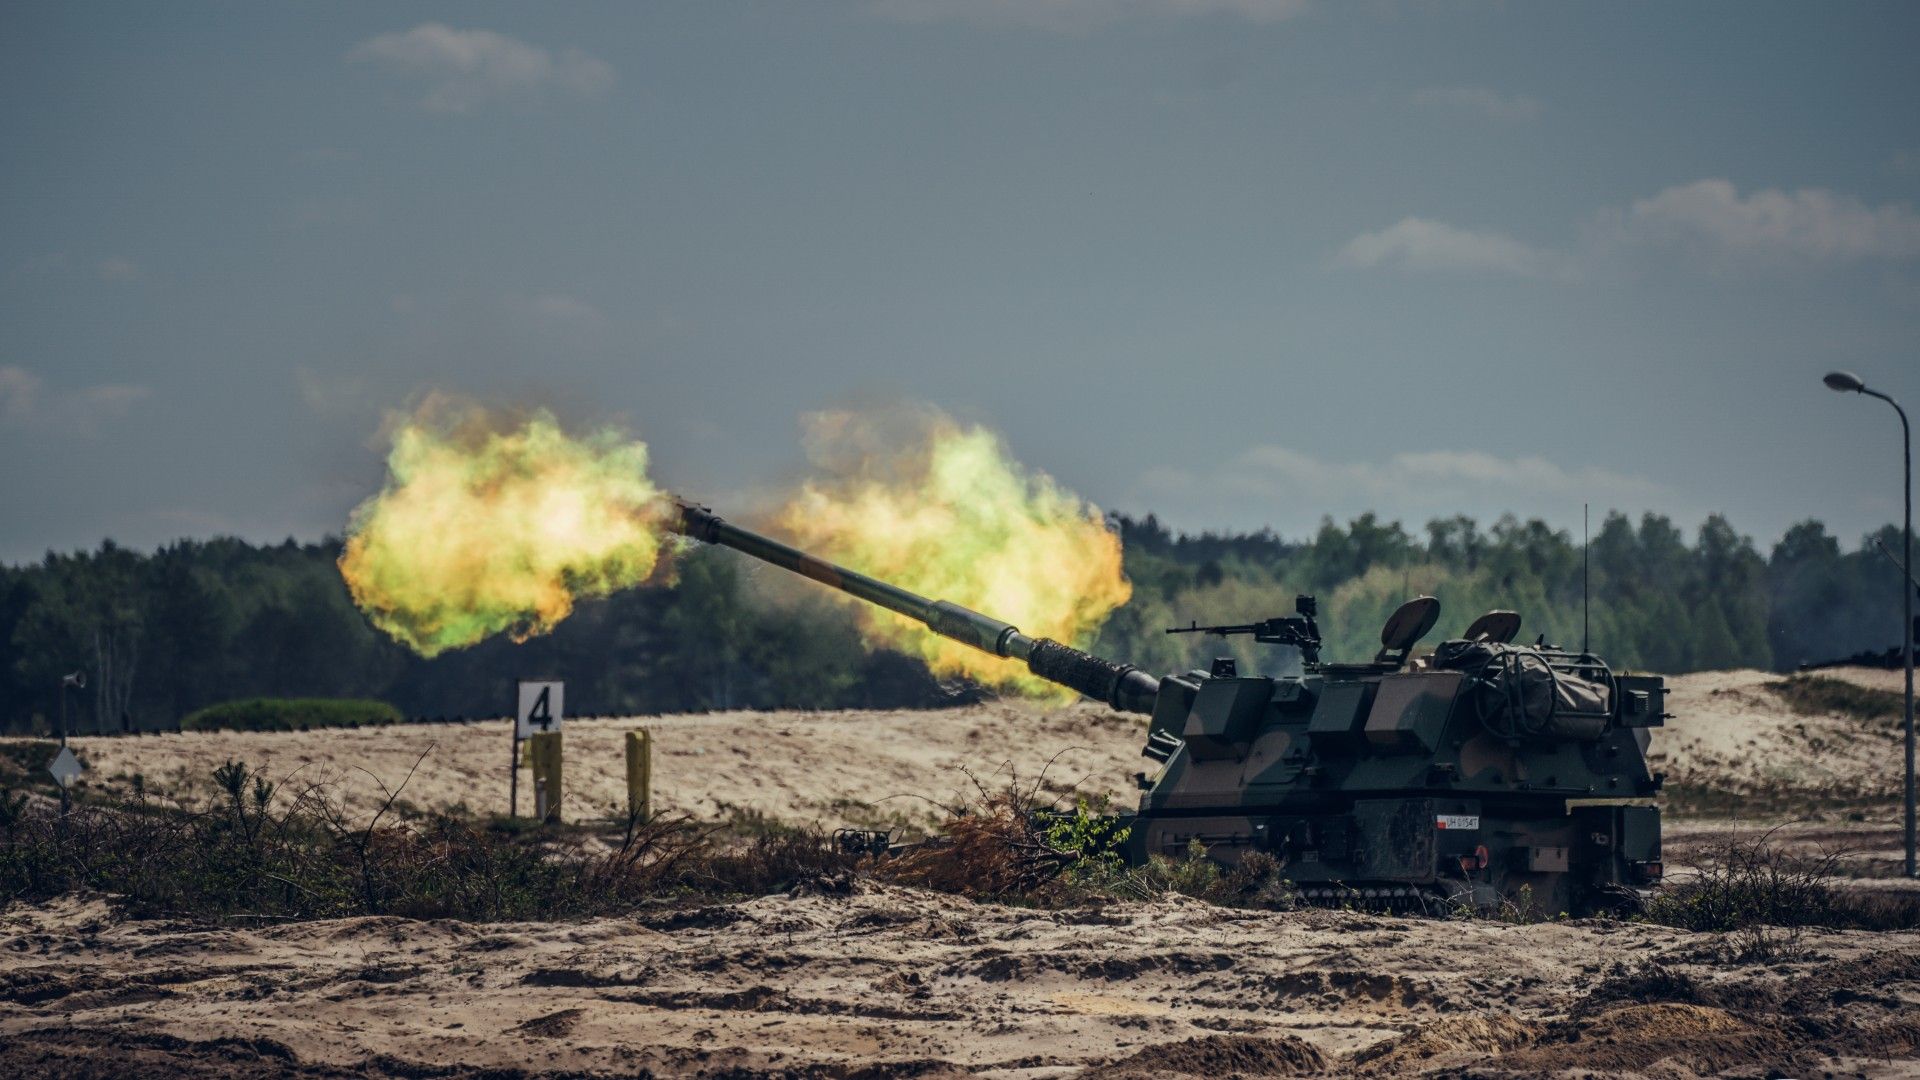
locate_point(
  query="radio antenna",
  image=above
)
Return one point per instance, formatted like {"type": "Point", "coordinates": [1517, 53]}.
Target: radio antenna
{"type": "Point", "coordinates": [1585, 543]}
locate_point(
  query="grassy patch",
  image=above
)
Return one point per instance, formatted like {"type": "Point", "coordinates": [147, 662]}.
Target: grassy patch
{"type": "Point", "coordinates": [1818, 695]}
{"type": "Point", "coordinates": [23, 762]}
{"type": "Point", "coordinates": [291, 714]}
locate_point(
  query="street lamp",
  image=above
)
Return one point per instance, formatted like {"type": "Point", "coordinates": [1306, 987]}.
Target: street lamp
{"type": "Point", "coordinates": [77, 679]}
{"type": "Point", "coordinates": [1844, 381]}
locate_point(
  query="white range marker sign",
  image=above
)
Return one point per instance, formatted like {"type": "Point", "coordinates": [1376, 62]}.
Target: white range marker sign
{"type": "Point", "coordinates": [65, 768]}
{"type": "Point", "coordinates": [541, 708]}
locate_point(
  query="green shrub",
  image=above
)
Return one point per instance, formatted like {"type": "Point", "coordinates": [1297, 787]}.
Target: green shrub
{"type": "Point", "coordinates": [290, 714]}
{"type": "Point", "coordinates": [1091, 835]}
{"type": "Point", "coordinates": [1191, 874]}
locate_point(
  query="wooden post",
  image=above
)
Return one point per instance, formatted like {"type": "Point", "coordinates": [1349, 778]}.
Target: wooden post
{"type": "Point", "coordinates": [544, 749]}
{"type": "Point", "coordinates": [640, 774]}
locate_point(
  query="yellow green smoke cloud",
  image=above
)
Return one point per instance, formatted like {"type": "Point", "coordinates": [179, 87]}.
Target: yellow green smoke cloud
{"type": "Point", "coordinates": [488, 525]}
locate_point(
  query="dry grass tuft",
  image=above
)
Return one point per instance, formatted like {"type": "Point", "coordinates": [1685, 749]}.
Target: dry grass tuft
{"type": "Point", "coordinates": [1747, 883]}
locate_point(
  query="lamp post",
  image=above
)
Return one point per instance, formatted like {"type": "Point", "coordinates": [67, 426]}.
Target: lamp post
{"type": "Point", "coordinates": [1844, 381]}
{"type": "Point", "coordinates": [77, 678]}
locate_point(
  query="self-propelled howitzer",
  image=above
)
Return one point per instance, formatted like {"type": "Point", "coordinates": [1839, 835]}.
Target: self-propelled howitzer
{"type": "Point", "coordinates": [1481, 773]}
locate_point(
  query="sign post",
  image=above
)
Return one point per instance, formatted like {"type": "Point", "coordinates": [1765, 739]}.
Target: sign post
{"type": "Point", "coordinates": [540, 708]}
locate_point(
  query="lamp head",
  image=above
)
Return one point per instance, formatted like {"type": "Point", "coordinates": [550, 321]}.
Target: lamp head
{"type": "Point", "coordinates": [1844, 381]}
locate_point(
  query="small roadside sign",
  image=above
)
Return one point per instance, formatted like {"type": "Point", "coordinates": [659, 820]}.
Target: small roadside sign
{"type": "Point", "coordinates": [65, 768]}
{"type": "Point", "coordinates": [540, 708]}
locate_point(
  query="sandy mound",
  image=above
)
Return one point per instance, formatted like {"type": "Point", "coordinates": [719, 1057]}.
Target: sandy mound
{"type": "Point", "coordinates": [1686, 1039]}
{"type": "Point", "coordinates": [1733, 744]}
{"type": "Point", "coordinates": [1216, 1056]}
{"type": "Point", "coordinates": [1454, 1041]}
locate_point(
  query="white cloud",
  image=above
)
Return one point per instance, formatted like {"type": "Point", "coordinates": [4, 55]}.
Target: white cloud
{"type": "Point", "coordinates": [1811, 224]}
{"type": "Point", "coordinates": [326, 155]}
{"type": "Point", "coordinates": [1411, 487]}
{"type": "Point", "coordinates": [19, 394]}
{"type": "Point", "coordinates": [467, 68]}
{"type": "Point", "coordinates": [560, 306]}
{"type": "Point", "coordinates": [1709, 218]}
{"type": "Point", "coordinates": [332, 394]}
{"type": "Point", "coordinates": [1071, 15]}
{"type": "Point", "coordinates": [1421, 245]}
{"type": "Point", "coordinates": [1479, 99]}
{"type": "Point", "coordinates": [26, 404]}
{"type": "Point", "coordinates": [92, 406]}
{"type": "Point", "coordinates": [118, 268]}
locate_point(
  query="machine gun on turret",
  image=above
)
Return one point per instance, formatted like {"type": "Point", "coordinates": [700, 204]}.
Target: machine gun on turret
{"type": "Point", "coordinates": [1299, 630]}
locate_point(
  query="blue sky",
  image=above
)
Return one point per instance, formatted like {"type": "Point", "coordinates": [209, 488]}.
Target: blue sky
{"type": "Point", "coordinates": [1240, 262]}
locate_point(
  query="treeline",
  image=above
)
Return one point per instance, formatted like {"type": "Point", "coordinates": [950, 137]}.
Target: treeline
{"type": "Point", "coordinates": [196, 623]}
{"type": "Point", "coordinates": [1657, 602]}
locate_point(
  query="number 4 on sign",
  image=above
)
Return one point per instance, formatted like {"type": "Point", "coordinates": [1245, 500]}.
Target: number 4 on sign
{"type": "Point", "coordinates": [542, 705]}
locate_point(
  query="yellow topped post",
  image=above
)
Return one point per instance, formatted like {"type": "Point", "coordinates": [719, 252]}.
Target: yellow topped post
{"type": "Point", "coordinates": [640, 774]}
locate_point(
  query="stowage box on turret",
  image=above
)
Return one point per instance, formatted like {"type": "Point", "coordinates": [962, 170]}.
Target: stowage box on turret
{"type": "Point", "coordinates": [1485, 773]}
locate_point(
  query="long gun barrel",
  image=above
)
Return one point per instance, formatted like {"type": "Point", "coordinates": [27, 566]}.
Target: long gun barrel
{"type": "Point", "coordinates": [1122, 686]}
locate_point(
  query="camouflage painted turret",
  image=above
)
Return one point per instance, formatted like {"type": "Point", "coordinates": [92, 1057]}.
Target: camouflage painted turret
{"type": "Point", "coordinates": [1481, 773]}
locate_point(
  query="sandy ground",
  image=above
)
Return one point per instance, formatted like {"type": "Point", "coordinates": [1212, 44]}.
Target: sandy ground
{"type": "Point", "coordinates": [1730, 734]}
{"type": "Point", "coordinates": [888, 982]}
{"type": "Point", "coordinates": [884, 982]}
